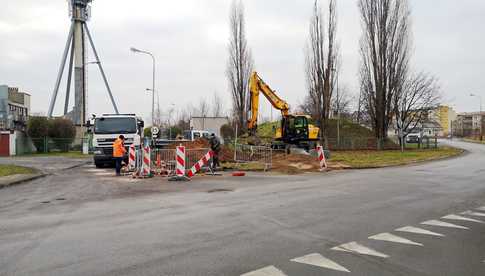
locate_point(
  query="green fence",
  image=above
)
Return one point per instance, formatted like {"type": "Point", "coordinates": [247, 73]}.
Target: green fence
{"type": "Point", "coordinates": [50, 145]}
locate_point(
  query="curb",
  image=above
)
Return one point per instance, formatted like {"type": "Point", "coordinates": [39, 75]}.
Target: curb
{"type": "Point", "coordinates": [31, 177]}
{"type": "Point", "coordinates": [415, 163]}
{"type": "Point", "coordinates": [23, 179]}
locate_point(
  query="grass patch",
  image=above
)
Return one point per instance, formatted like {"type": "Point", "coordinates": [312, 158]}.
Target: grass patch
{"type": "Point", "coordinates": [243, 166]}
{"type": "Point", "coordinates": [6, 170]}
{"type": "Point", "coordinates": [376, 159]}
{"type": "Point", "coordinates": [72, 154]}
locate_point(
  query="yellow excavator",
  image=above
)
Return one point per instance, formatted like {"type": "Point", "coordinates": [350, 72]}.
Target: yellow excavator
{"type": "Point", "coordinates": [294, 130]}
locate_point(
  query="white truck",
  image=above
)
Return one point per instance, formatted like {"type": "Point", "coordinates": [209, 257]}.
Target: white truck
{"type": "Point", "coordinates": [107, 128]}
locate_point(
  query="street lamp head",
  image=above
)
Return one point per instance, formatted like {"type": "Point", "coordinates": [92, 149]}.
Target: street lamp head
{"type": "Point", "coordinates": [134, 50]}
{"type": "Point", "coordinates": [472, 95]}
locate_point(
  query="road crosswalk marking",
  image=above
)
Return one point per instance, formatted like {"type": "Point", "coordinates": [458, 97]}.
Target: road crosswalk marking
{"type": "Point", "coordinates": [354, 247]}
{"type": "Point", "coordinates": [266, 271]}
{"type": "Point", "coordinates": [416, 230]}
{"type": "Point", "coordinates": [443, 224]}
{"type": "Point", "coordinates": [320, 261]}
{"type": "Point", "coordinates": [475, 214]}
{"type": "Point", "coordinates": [455, 217]}
{"type": "Point", "coordinates": [393, 238]}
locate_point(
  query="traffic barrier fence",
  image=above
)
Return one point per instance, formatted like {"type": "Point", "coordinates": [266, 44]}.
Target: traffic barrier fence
{"type": "Point", "coordinates": [256, 154]}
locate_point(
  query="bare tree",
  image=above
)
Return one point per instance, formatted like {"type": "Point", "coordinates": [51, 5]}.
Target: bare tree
{"type": "Point", "coordinates": [240, 63]}
{"type": "Point", "coordinates": [321, 59]}
{"type": "Point", "coordinates": [217, 105]}
{"type": "Point", "coordinates": [203, 108]}
{"type": "Point", "coordinates": [385, 51]}
{"type": "Point", "coordinates": [420, 94]}
{"type": "Point", "coordinates": [342, 104]}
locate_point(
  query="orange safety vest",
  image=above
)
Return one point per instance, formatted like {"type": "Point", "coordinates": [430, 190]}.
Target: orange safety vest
{"type": "Point", "coordinates": [119, 148]}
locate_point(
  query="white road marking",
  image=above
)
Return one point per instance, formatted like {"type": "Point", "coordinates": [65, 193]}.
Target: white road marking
{"type": "Point", "coordinates": [266, 271]}
{"type": "Point", "coordinates": [416, 230]}
{"type": "Point", "coordinates": [443, 224]}
{"type": "Point", "coordinates": [475, 214]}
{"type": "Point", "coordinates": [481, 208]}
{"type": "Point", "coordinates": [353, 247]}
{"type": "Point", "coordinates": [393, 238]}
{"type": "Point", "coordinates": [104, 174]}
{"type": "Point", "coordinates": [95, 170]}
{"type": "Point", "coordinates": [320, 261]}
{"type": "Point", "coordinates": [455, 217]}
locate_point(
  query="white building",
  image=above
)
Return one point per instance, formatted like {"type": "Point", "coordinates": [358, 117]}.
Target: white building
{"type": "Point", "coordinates": [14, 114]}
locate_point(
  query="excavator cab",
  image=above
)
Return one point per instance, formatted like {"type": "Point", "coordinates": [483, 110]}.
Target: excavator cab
{"type": "Point", "coordinates": [294, 129]}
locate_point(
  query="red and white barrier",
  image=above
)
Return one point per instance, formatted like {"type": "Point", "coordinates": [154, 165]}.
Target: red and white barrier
{"type": "Point", "coordinates": [132, 158]}
{"type": "Point", "coordinates": [202, 162]}
{"type": "Point", "coordinates": [146, 161]}
{"type": "Point", "coordinates": [180, 157]}
{"type": "Point", "coordinates": [321, 158]}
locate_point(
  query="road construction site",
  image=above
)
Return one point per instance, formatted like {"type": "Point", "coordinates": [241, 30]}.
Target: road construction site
{"type": "Point", "coordinates": [85, 221]}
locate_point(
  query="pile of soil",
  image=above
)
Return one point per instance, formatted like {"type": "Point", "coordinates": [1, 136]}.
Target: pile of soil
{"type": "Point", "coordinates": [294, 163]}
{"type": "Point", "coordinates": [299, 163]}
{"type": "Point", "coordinates": [197, 144]}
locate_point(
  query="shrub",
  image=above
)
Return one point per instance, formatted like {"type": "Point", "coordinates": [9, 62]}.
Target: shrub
{"type": "Point", "coordinates": [62, 131]}
{"type": "Point", "coordinates": [38, 130]}
{"type": "Point", "coordinates": [227, 132]}
{"type": "Point", "coordinates": [173, 132]}
{"type": "Point", "coordinates": [147, 132]}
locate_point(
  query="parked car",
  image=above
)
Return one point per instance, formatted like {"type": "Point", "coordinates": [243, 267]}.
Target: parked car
{"type": "Point", "coordinates": [413, 138]}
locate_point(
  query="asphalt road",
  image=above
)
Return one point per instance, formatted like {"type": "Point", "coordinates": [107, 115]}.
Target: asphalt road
{"type": "Point", "coordinates": [86, 222]}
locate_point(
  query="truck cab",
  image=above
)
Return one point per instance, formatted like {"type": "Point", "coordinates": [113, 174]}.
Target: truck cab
{"type": "Point", "coordinates": [107, 128]}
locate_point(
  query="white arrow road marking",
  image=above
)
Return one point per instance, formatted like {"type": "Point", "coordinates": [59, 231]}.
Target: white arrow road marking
{"type": "Point", "coordinates": [455, 217]}
{"type": "Point", "coordinates": [393, 238]}
{"type": "Point", "coordinates": [416, 230]}
{"type": "Point", "coordinates": [353, 247]}
{"type": "Point", "coordinates": [320, 261]}
{"type": "Point", "coordinates": [443, 224]}
{"type": "Point", "coordinates": [475, 214]}
{"type": "Point", "coordinates": [266, 271]}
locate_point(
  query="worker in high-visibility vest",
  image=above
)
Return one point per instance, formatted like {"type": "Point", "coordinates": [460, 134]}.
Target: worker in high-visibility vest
{"type": "Point", "coordinates": [215, 145]}
{"type": "Point", "coordinates": [119, 152]}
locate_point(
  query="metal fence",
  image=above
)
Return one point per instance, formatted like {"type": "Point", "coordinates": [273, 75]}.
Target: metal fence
{"type": "Point", "coordinates": [50, 145]}
{"type": "Point", "coordinates": [167, 158]}
{"type": "Point", "coordinates": [257, 154]}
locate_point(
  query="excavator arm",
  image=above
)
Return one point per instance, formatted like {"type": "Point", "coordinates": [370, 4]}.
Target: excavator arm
{"type": "Point", "coordinates": [257, 86]}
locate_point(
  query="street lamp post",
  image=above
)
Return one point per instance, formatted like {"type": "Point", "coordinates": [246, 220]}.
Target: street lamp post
{"type": "Point", "coordinates": [338, 109]}
{"type": "Point", "coordinates": [135, 50]}
{"type": "Point", "coordinates": [481, 117]}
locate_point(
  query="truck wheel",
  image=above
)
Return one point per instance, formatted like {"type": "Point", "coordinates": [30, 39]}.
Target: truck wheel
{"type": "Point", "coordinates": [99, 165]}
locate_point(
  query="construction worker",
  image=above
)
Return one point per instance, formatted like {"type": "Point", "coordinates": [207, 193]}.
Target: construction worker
{"type": "Point", "coordinates": [119, 152]}
{"type": "Point", "coordinates": [215, 145]}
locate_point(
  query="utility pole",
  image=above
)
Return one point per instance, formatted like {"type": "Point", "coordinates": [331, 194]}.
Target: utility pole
{"type": "Point", "coordinates": [338, 108]}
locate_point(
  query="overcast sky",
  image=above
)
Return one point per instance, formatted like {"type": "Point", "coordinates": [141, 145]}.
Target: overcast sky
{"type": "Point", "coordinates": [189, 39]}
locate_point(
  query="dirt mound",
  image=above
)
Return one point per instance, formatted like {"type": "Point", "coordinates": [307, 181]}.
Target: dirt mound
{"type": "Point", "coordinates": [197, 144]}
{"type": "Point", "coordinates": [298, 163]}
{"type": "Point", "coordinates": [294, 163]}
